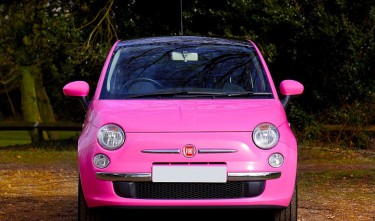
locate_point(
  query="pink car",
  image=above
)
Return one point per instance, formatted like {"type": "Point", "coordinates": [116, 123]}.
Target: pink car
{"type": "Point", "coordinates": [186, 122]}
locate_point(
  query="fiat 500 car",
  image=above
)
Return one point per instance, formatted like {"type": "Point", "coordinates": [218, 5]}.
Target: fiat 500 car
{"type": "Point", "coordinates": [186, 122]}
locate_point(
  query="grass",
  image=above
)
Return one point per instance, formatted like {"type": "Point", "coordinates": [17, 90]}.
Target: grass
{"type": "Point", "coordinates": [335, 166]}
{"type": "Point", "coordinates": [38, 156]}
{"type": "Point", "coordinates": [49, 152]}
{"type": "Point", "coordinates": [13, 138]}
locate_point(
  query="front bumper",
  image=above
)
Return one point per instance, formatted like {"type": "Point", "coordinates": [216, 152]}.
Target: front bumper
{"type": "Point", "coordinates": [147, 177]}
{"type": "Point", "coordinates": [131, 168]}
{"type": "Point", "coordinates": [140, 186]}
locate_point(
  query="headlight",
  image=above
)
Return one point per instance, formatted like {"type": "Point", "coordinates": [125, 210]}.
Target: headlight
{"type": "Point", "coordinates": [111, 136]}
{"type": "Point", "coordinates": [265, 136]}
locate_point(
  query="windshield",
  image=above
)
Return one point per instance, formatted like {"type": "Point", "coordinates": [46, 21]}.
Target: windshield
{"type": "Point", "coordinates": [173, 70]}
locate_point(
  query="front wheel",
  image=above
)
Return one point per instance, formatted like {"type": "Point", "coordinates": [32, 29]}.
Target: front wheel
{"type": "Point", "coordinates": [289, 213]}
{"type": "Point", "coordinates": [84, 212]}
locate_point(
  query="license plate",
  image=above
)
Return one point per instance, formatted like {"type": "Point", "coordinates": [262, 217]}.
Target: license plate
{"type": "Point", "coordinates": [189, 174]}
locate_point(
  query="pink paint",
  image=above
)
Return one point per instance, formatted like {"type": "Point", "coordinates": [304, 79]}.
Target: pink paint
{"type": "Point", "coordinates": [291, 87]}
{"type": "Point", "coordinates": [76, 89]}
{"type": "Point", "coordinates": [187, 132]}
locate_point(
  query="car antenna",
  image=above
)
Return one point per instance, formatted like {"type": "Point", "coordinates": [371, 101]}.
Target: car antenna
{"type": "Point", "coordinates": [182, 29]}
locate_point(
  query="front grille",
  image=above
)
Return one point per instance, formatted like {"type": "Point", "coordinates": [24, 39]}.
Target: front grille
{"type": "Point", "coordinates": [150, 190]}
{"type": "Point", "coordinates": [189, 190]}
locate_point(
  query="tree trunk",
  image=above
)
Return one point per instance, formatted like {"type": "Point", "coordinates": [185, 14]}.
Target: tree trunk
{"type": "Point", "coordinates": [44, 104]}
{"type": "Point", "coordinates": [30, 108]}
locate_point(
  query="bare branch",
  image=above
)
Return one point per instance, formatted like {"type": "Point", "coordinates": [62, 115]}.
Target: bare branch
{"type": "Point", "coordinates": [13, 76]}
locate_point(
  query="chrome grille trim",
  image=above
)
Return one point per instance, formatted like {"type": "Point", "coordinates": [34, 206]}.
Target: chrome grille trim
{"type": "Point", "coordinates": [177, 151]}
{"type": "Point", "coordinates": [166, 151]}
{"type": "Point", "coordinates": [146, 177]}
{"type": "Point", "coordinates": [253, 176]}
{"type": "Point", "coordinates": [131, 177]}
{"type": "Point", "coordinates": [217, 150]}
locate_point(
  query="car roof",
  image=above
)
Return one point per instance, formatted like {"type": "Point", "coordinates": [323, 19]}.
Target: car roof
{"type": "Point", "coordinates": [182, 40]}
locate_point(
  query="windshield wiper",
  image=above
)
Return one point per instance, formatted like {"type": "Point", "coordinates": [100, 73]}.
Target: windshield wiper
{"type": "Point", "coordinates": [199, 94]}
{"type": "Point", "coordinates": [247, 93]}
{"type": "Point", "coordinates": [172, 94]}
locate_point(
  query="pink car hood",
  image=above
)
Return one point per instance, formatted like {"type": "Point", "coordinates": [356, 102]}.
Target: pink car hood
{"type": "Point", "coordinates": [186, 115]}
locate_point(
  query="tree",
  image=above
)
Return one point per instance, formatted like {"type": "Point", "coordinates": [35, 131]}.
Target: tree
{"type": "Point", "coordinates": [30, 41]}
{"type": "Point", "coordinates": [327, 45]}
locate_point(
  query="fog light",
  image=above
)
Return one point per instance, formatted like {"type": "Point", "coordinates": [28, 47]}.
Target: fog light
{"type": "Point", "coordinates": [276, 160]}
{"type": "Point", "coordinates": [101, 161]}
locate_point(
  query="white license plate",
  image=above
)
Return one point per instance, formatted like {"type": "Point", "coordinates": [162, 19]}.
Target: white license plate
{"type": "Point", "coordinates": [189, 174]}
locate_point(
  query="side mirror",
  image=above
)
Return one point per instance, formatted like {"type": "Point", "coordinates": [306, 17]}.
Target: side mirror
{"type": "Point", "coordinates": [290, 88]}
{"type": "Point", "coordinates": [78, 89]}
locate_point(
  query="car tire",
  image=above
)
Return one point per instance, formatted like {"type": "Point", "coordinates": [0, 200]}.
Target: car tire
{"type": "Point", "coordinates": [289, 213]}
{"type": "Point", "coordinates": [84, 212]}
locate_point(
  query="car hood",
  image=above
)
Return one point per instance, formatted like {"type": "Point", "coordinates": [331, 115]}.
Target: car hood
{"type": "Point", "coordinates": [186, 115]}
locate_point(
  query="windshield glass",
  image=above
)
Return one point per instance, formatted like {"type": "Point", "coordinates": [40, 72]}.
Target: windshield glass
{"type": "Point", "coordinates": [185, 70]}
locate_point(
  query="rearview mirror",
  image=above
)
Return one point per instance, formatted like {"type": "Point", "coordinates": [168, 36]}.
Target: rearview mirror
{"type": "Point", "coordinates": [290, 88]}
{"type": "Point", "coordinates": [78, 89]}
{"type": "Point", "coordinates": [184, 56]}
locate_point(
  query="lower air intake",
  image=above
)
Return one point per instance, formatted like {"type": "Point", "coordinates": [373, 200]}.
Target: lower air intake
{"type": "Point", "coordinates": [150, 190]}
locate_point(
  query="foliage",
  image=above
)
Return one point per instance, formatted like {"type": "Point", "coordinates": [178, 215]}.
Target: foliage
{"type": "Point", "coordinates": [329, 46]}
{"type": "Point", "coordinates": [43, 34]}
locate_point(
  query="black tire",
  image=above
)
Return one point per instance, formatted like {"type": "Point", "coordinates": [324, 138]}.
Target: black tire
{"type": "Point", "coordinates": [289, 213]}
{"type": "Point", "coordinates": [84, 212]}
